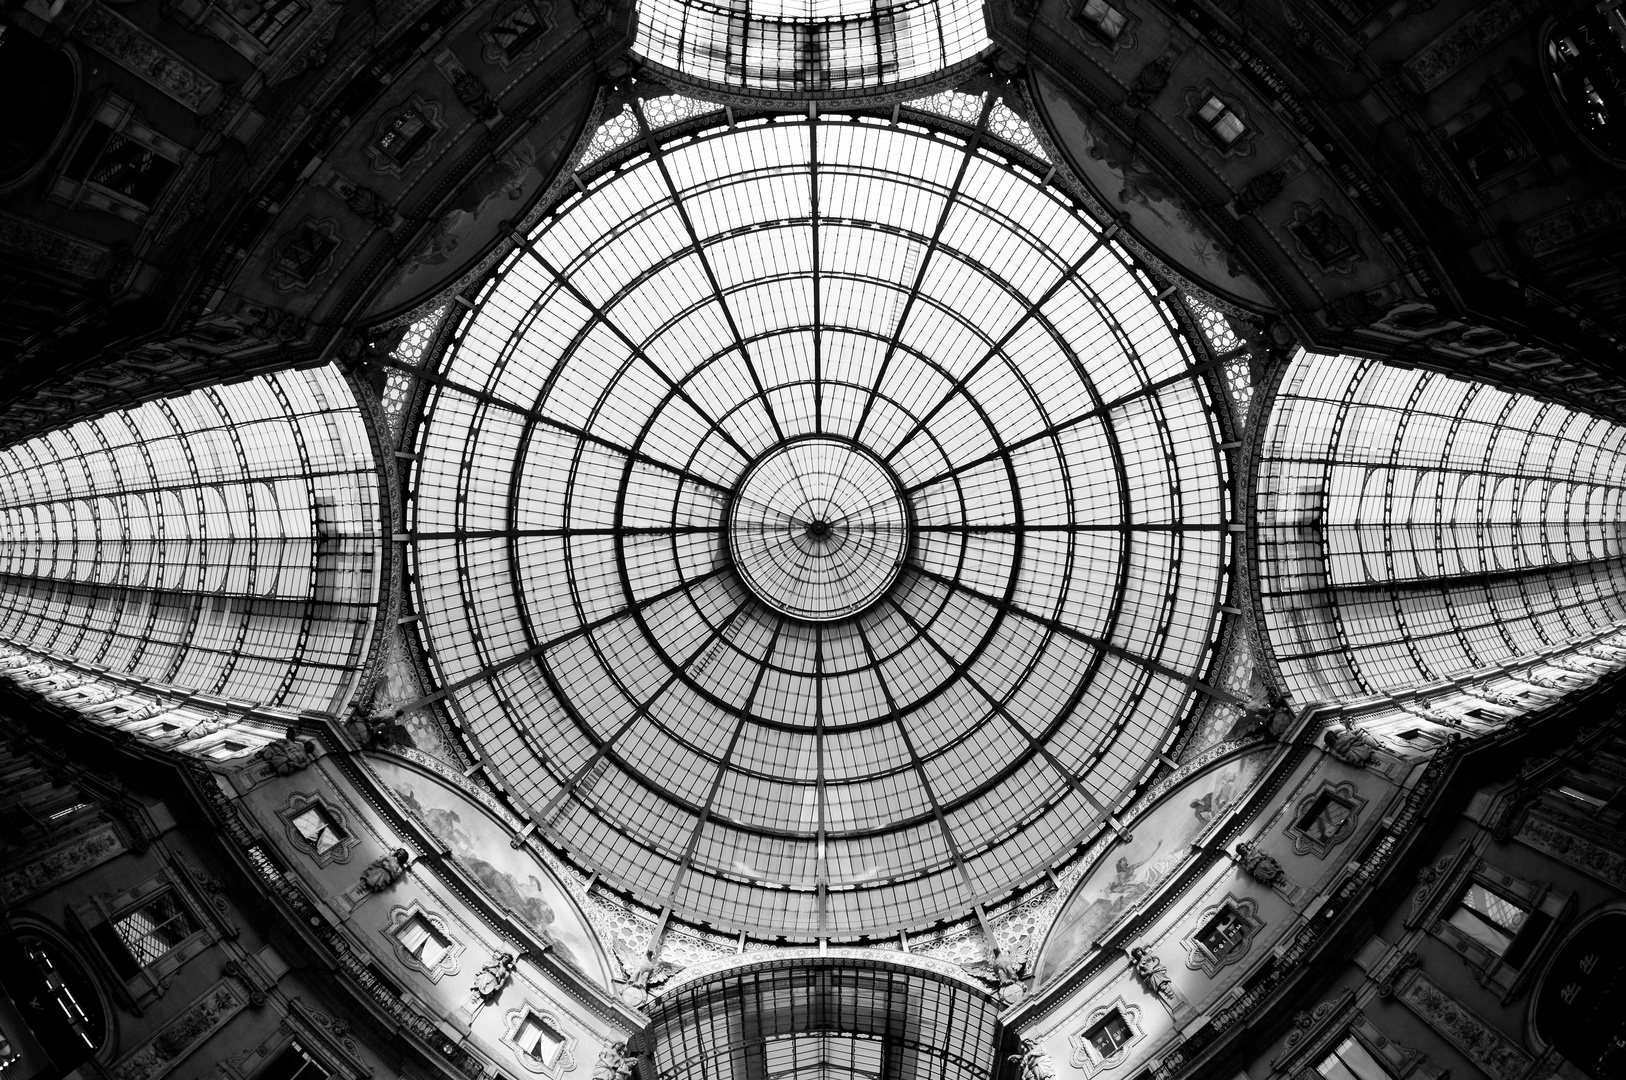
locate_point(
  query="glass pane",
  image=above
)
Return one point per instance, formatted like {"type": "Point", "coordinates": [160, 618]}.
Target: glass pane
{"type": "Point", "coordinates": [154, 929]}
{"type": "Point", "coordinates": [1360, 1061]}
{"type": "Point", "coordinates": [1494, 908]}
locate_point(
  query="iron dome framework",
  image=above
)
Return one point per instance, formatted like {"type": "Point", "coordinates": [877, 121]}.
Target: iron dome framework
{"type": "Point", "coordinates": [920, 295]}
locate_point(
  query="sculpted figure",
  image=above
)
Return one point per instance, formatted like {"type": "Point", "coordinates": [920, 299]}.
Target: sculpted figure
{"type": "Point", "coordinates": [615, 1062]}
{"type": "Point", "coordinates": [1033, 1062]}
{"type": "Point", "coordinates": [1151, 971]}
{"type": "Point", "coordinates": [1260, 867]}
{"type": "Point", "coordinates": [289, 754]}
{"type": "Point", "coordinates": [385, 870]}
{"type": "Point", "coordinates": [491, 978]}
{"type": "Point", "coordinates": [1352, 746]}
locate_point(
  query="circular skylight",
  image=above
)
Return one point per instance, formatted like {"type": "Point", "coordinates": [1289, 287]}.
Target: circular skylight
{"type": "Point", "coordinates": [818, 526]}
{"type": "Point", "coordinates": [818, 529]}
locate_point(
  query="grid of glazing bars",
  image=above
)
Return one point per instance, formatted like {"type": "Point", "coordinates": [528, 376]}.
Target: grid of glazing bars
{"type": "Point", "coordinates": [223, 542]}
{"type": "Point", "coordinates": [966, 323]}
{"type": "Point", "coordinates": [1415, 528]}
{"type": "Point", "coordinates": [824, 1019]}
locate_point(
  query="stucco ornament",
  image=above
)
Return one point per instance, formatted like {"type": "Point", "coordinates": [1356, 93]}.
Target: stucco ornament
{"type": "Point", "coordinates": [1261, 867]}
{"type": "Point", "coordinates": [289, 754]}
{"type": "Point", "coordinates": [385, 870]}
{"type": "Point", "coordinates": [1152, 973]}
{"type": "Point", "coordinates": [615, 1062]}
{"type": "Point", "coordinates": [494, 976]}
{"type": "Point", "coordinates": [1033, 1062]}
{"type": "Point", "coordinates": [1352, 746]}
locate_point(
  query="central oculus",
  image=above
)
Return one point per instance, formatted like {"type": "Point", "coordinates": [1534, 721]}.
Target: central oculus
{"type": "Point", "coordinates": [818, 529]}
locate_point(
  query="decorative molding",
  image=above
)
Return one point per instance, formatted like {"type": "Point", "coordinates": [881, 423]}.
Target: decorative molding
{"type": "Point", "coordinates": [69, 254]}
{"type": "Point", "coordinates": [566, 1060]}
{"type": "Point", "coordinates": [510, 21]}
{"type": "Point", "coordinates": [450, 962]}
{"type": "Point", "coordinates": [303, 254]}
{"type": "Point", "coordinates": [1305, 217]}
{"type": "Point", "coordinates": [182, 1035]}
{"type": "Point", "coordinates": [1430, 882]}
{"type": "Point", "coordinates": [1194, 97]}
{"type": "Point", "coordinates": [129, 46]}
{"type": "Point", "coordinates": [1466, 38]}
{"type": "Point", "coordinates": [1333, 826]}
{"type": "Point", "coordinates": [1577, 851]}
{"type": "Point", "coordinates": [1557, 231]}
{"type": "Point", "coordinates": [1198, 955]}
{"type": "Point", "coordinates": [429, 111]}
{"type": "Point", "coordinates": [1086, 1057]}
{"type": "Point", "coordinates": [56, 866]}
{"type": "Point", "coordinates": [1492, 1052]}
{"type": "Point", "coordinates": [300, 801]}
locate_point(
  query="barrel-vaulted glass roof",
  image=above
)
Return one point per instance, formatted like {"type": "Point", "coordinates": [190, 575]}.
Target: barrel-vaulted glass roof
{"type": "Point", "coordinates": [1415, 528]}
{"type": "Point", "coordinates": [809, 47]}
{"type": "Point", "coordinates": [218, 547]}
{"type": "Point", "coordinates": [819, 524]}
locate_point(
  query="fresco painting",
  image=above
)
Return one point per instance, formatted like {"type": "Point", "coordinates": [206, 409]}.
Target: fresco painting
{"type": "Point", "coordinates": [1161, 841]}
{"type": "Point", "coordinates": [514, 878]}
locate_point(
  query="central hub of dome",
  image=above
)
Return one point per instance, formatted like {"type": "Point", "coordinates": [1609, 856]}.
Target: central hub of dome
{"type": "Point", "coordinates": [818, 529]}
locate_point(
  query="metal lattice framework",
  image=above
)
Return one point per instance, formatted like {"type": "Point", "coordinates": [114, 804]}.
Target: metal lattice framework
{"type": "Point", "coordinates": [812, 47]}
{"type": "Point", "coordinates": [222, 543]}
{"type": "Point", "coordinates": [814, 1019]}
{"type": "Point", "coordinates": [914, 295]}
{"type": "Point", "coordinates": [1415, 528]}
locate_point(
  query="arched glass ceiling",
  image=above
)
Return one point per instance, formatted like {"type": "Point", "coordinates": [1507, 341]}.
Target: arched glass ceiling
{"type": "Point", "coordinates": [1415, 528]}
{"type": "Point", "coordinates": [907, 332]}
{"type": "Point", "coordinates": [222, 544]}
{"type": "Point", "coordinates": [809, 47]}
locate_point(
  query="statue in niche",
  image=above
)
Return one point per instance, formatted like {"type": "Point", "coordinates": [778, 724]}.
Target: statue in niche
{"type": "Point", "coordinates": [494, 976]}
{"type": "Point", "coordinates": [615, 1062]}
{"type": "Point", "coordinates": [385, 870]}
{"type": "Point", "coordinates": [1261, 867]}
{"type": "Point", "coordinates": [1352, 746]}
{"type": "Point", "coordinates": [1152, 973]}
{"type": "Point", "coordinates": [289, 754]}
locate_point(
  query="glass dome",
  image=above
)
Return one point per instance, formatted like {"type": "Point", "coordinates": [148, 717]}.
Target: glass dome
{"type": "Point", "coordinates": [809, 47]}
{"type": "Point", "coordinates": [819, 525]}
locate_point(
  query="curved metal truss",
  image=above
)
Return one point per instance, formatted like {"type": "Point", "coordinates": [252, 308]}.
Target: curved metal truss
{"type": "Point", "coordinates": [816, 1018]}
{"type": "Point", "coordinates": [812, 48]}
{"type": "Point", "coordinates": [221, 545]}
{"type": "Point", "coordinates": [917, 294]}
{"type": "Point", "coordinates": [1415, 528]}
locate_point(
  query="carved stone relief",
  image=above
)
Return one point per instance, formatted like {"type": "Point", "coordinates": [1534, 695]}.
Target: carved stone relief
{"type": "Point", "coordinates": [1089, 1058]}
{"type": "Point", "coordinates": [1494, 1053]}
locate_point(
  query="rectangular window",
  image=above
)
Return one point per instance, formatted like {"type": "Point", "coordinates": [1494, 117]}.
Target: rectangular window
{"type": "Point", "coordinates": [1494, 921]}
{"type": "Point", "coordinates": [144, 935]}
{"type": "Point", "coordinates": [293, 1063]}
{"type": "Point", "coordinates": [112, 160]}
{"type": "Point", "coordinates": [1103, 18]}
{"type": "Point", "coordinates": [1223, 125]}
{"type": "Point", "coordinates": [422, 941]}
{"type": "Point", "coordinates": [1350, 1060]}
{"type": "Point", "coordinates": [537, 1039]}
{"type": "Point", "coordinates": [317, 828]}
{"type": "Point", "coordinates": [1110, 1035]}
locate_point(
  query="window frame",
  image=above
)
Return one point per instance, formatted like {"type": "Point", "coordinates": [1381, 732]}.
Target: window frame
{"type": "Point", "coordinates": [149, 981]}
{"type": "Point", "coordinates": [1307, 843]}
{"type": "Point", "coordinates": [1087, 1056]}
{"type": "Point", "coordinates": [1330, 1023]}
{"type": "Point", "coordinates": [448, 963]}
{"type": "Point", "coordinates": [302, 802]}
{"type": "Point", "coordinates": [120, 116]}
{"type": "Point", "coordinates": [514, 1022]}
{"type": "Point", "coordinates": [1547, 912]}
{"type": "Point", "coordinates": [1200, 956]}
